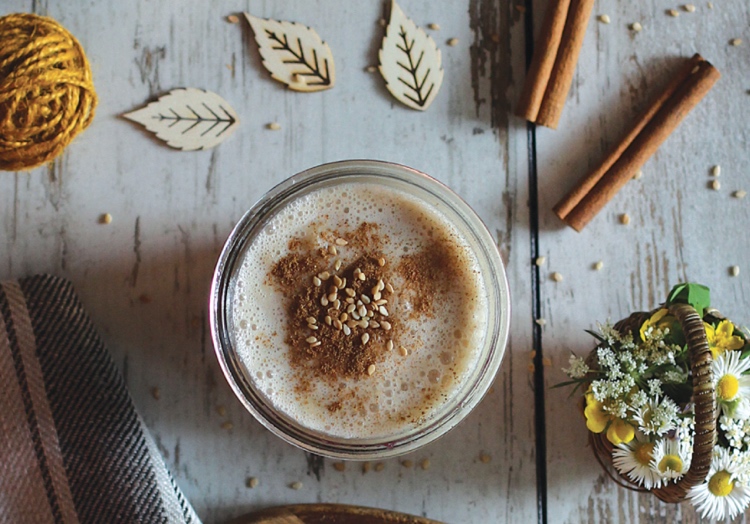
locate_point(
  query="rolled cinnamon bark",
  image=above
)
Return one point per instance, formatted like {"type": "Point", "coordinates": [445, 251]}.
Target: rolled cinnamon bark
{"type": "Point", "coordinates": [543, 60]}
{"type": "Point", "coordinates": [688, 88]}
{"type": "Point", "coordinates": [562, 74]}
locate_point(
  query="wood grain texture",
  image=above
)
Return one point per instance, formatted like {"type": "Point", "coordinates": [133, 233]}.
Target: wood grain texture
{"type": "Point", "coordinates": [145, 277]}
{"type": "Point", "coordinates": [680, 229]}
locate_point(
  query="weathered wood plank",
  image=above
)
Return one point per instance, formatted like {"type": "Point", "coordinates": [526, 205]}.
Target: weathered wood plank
{"type": "Point", "coordinates": [145, 276]}
{"type": "Point", "coordinates": [679, 230]}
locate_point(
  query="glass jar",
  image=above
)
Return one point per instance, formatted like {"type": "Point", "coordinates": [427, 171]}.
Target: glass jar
{"type": "Point", "coordinates": [433, 195]}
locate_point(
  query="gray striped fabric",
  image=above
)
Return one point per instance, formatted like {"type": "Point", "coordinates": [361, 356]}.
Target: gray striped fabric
{"type": "Point", "coordinates": [72, 447]}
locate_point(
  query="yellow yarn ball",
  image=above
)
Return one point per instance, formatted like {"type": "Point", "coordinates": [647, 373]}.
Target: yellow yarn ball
{"type": "Point", "coordinates": [46, 93]}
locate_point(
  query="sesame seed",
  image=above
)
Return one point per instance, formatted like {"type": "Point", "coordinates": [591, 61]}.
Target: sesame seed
{"type": "Point", "coordinates": [540, 261]}
{"type": "Point", "coordinates": [316, 344]}
{"type": "Point", "coordinates": [362, 311]}
{"type": "Point", "coordinates": [407, 463]}
{"type": "Point", "coordinates": [735, 42]}
{"type": "Point", "coordinates": [361, 276]}
{"type": "Point", "coordinates": [252, 482]}
{"type": "Point", "coordinates": [296, 485]}
{"type": "Point", "coordinates": [376, 296]}
{"type": "Point", "coordinates": [221, 410]}
{"type": "Point", "coordinates": [325, 275]}
{"type": "Point", "coordinates": [403, 351]}
{"type": "Point", "coordinates": [715, 185]}
{"type": "Point", "coordinates": [332, 250]}
{"type": "Point", "coordinates": [434, 27]}
{"type": "Point", "coordinates": [350, 308]}
{"type": "Point", "coordinates": [625, 219]}
{"type": "Point", "coordinates": [690, 8]}
{"type": "Point", "coordinates": [604, 19]}
{"type": "Point", "coordinates": [365, 467]}
{"type": "Point", "coordinates": [636, 26]}
{"type": "Point", "coordinates": [385, 325]}
{"type": "Point", "coordinates": [339, 466]}
{"type": "Point", "coordinates": [337, 265]}
{"type": "Point", "coordinates": [332, 297]}
{"type": "Point", "coordinates": [370, 314]}
{"type": "Point", "coordinates": [541, 322]}
{"type": "Point", "coordinates": [557, 277]}
{"type": "Point", "coordinates": [340, 242]}
{"type": "Point", "coordinates": [598, 265]}
{"type": "Point", "coordinates": [227, 425]}
{"type": "Point", "coordinates": [740, 193]}
{"type": "Point", "coordinates": [734, 270]}
{"type": "Point", "coordinates": [383, 311]}
{"type": "Point", "coordinates": [349, 300]}
{"type": "Point", "coordinates": [338, 324]}
{"type": "Point", "coordinates": [425, 464]}
{"type": "Point", "coordinates": [349, 291]}
{"type": "Point", "coordinates": [380, 302]}
{"type": "Point", "coordinates": [379, 466]}
{"type": "Point", "coordinates": [371, 69]}
{"type": "Point", "coordinates": [233, 19]}
{"type": "Point", "coordinates": [311, 320]}
{"type": "Point", "coordinates": [381, 261]}
{"type": "Point", "coordinates": [374, 324]}
{"type": "Point", "coordinates": [674, 13]}
{"type": "Point", "coordinates": [365, 299]}
{"type": "Point", "coordinates": [327, 320]}
{"type": "Point", "coordinates": [313, 327]}
{"type": "Point", "coordinates": [273, 126]}
{"type": "Point", "coordinates": [380, 284]}
{"type": "Point", "coordinates": [371, 369]}
{"type": "Point", "coordinates": [484, 457]}
{"type": "Point", "coordinates": [316, 281]}
{"type": "Point", "coordinates": [311, 340]}
{"type": "Point", "coordinates": [347, 330]}
{"type": "Point", "coordinates": [156, 393]}
{"type": "Point", "coordinates": [710, 5]}
{"type": "Point", "coordinates": [389, 345]}
{"type": "Point", "coordinates": [382, 22]}
{"type": "Point", "coordinates": [344, 317]}
{"type": "Point", "coordinates": [336, 304]}
{"type": "Point", "coordinates": [324, 301]}
{"type": "Point", "coordinates": [365, 338]}
{"type": "Point", "coordinates": [356, 315]}
{"type": "Point", "coordinates": [638, 175]}
{"type": "Point", "coordinates": [106, 218]}
{"type": "Point", "coordinates": [364, 323]}
{"type": "Point", "coordinates": [343, 283]}
{"type": "Point", "coordinates": [389, 288]}
{"type": "Point", "coordinates": [452, 42]}
{"type": "Point", "coordinates": [716, 170]}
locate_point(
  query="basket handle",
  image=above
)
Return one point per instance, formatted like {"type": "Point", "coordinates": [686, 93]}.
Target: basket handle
{"type": "Point", "coordinates": [704, 399]}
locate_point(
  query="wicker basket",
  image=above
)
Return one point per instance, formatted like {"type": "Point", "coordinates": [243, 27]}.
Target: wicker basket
{"type": "Point", "coordinates": [704, 398]}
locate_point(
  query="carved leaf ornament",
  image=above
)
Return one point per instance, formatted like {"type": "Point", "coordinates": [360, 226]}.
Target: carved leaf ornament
{"type": "Point", "coordinates": [188, 119]}
{"type": "Point", "coordinates": [410, 62]}
{"type": "Point", "coordinates": [294, 54]}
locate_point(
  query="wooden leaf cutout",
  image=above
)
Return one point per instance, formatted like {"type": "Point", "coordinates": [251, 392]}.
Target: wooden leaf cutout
{"type": "Point", "coordinates": [294, 54]}
{"type": "Point", "coordinates": [188, 119]}
{"type": "Point", "coordinates": [410, 62]}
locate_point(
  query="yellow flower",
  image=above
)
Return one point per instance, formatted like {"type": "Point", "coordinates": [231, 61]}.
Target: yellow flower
{"type": "Point", "coordinates": [619, 431]}
{"type": "Point", "coordinates": [721, 338]}
{"type": "Point", "coordinates": [658, 320]}
{"type": "Point", "coordinates": [596, 418]}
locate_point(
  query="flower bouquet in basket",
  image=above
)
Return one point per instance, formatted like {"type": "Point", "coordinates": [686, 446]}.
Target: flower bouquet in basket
{"type": "Point", "coordinates": [666, 397]}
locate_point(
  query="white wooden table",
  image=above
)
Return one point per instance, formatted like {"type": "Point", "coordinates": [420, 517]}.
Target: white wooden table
{"type": "Point", "coordinates": [145, 277]}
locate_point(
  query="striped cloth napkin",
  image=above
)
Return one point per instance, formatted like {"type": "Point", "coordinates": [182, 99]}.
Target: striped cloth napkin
{"type": "Point", "coordinates": [72, 447]}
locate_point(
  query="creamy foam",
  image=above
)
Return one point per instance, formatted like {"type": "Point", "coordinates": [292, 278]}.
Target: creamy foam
{"type": "Point", "coordinates": [444, 347]}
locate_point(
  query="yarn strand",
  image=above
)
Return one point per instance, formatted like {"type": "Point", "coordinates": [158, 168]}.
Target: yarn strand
{"type": "Point", "coordinates": [47, 94]}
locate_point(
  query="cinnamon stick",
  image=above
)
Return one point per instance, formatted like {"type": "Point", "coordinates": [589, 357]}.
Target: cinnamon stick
{"type": "Point", "coordinates": [554, 61]}
{"type": "Point", "coordinates": [543, 60]}
{"type": "Point", "coordinates": [687, 89]}
{"type": "Point", "coordinates": [565, 64]}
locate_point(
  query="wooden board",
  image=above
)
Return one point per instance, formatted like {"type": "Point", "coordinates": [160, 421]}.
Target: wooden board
{"type": "Point", "coordinates": [145, 276]}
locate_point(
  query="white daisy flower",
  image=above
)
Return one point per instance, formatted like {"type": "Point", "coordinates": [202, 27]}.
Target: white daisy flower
{"type": "Point", "coordinates": [670, 459]}
{"type": "Point", "coordinates": [730, 383]}
{"type": "Point", "coordinates": [634, 460]}
{"type": "Point", "coordinates": [657, 416]}
{"type": "Point", "coordinates": [722, 494]}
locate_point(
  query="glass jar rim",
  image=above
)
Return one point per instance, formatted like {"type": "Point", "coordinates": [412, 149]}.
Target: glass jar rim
{"type": "Point", "coordinates": [248, 227]}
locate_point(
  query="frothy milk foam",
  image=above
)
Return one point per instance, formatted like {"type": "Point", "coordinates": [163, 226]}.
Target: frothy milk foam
{"type": "Point", "coordinates": [406, 391]}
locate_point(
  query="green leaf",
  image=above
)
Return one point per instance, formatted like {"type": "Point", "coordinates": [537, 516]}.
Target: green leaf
{"type": "Point", "coordinates": [696, 295]}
